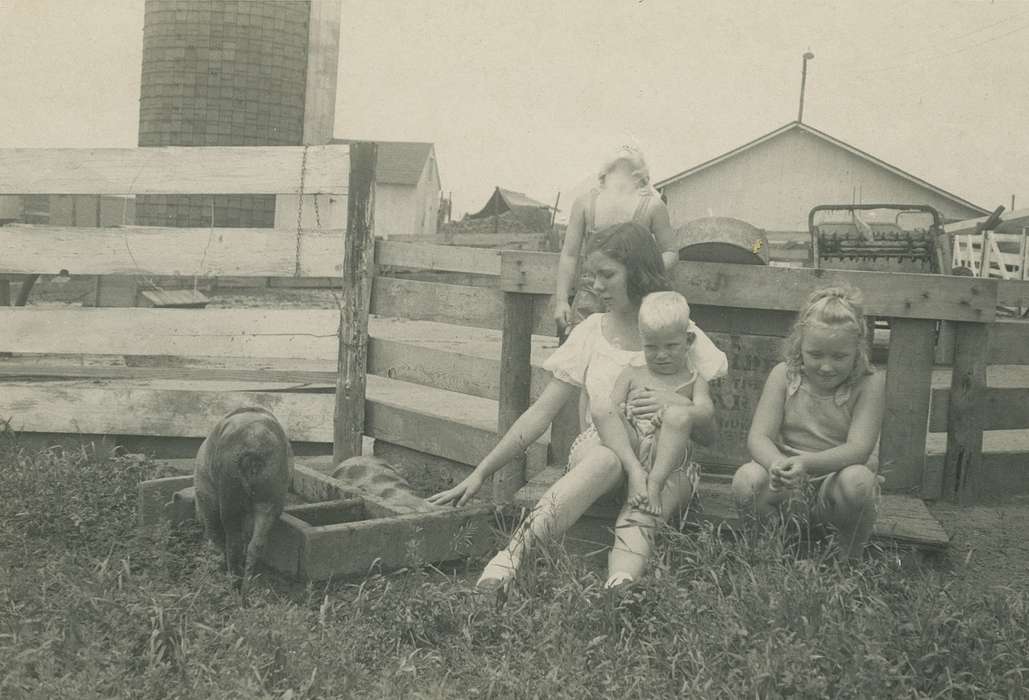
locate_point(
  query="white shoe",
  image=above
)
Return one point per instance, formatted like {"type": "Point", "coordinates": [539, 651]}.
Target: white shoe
{"type": "Point", "coordinates": [618, 579]}
{"type": "Point", "coordinates": [499, 571]}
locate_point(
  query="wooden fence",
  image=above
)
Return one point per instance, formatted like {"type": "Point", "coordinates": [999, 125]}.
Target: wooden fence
{"type": "Point", "coordinates": [172, 373]}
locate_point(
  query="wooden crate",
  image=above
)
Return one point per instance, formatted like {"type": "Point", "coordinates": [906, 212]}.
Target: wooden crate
{"type": "Point", "coordinates": [336, 531]}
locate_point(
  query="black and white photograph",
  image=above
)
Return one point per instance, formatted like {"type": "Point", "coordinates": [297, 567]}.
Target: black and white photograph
{"type": "Point", "coordinates": [585, 349]}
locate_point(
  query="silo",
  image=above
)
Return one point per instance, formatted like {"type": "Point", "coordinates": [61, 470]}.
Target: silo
{"type": "Point", "coordinates": [221, 73]}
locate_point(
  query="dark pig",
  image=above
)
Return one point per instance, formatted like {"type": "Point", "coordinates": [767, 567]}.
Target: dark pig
{"type": "Point", "coordinates": [243, 471]}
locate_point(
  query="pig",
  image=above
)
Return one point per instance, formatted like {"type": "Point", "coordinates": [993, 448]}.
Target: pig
{"type": "Point", "coordinates": [242, 473]}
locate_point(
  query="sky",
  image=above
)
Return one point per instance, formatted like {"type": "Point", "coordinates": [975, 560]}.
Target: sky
{"type": "Point", "coordinates": [532, 95]}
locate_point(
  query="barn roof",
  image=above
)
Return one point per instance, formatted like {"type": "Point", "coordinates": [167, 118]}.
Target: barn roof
{"type": "Point", "coordinates": [503, 200]}
{"type": "Point", "coordinates": [829, 139]}
{"type": "Point", "coordinates": [398, 162]}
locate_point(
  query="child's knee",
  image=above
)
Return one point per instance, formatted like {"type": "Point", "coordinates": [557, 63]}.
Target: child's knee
{"type": "Point", "coordinates": [676, 418]}
{"type": "Point", "coordinates": [857, 487]}
{"type": "Point", "coordinates": [749, 480]}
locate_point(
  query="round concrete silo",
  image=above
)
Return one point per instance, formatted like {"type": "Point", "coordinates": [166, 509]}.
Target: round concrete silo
{"type": "Point", "coordinates": [221, 73]}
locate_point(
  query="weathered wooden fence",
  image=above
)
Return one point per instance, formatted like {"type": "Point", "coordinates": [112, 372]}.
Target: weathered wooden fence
{"type": "Point", "coordinates": [170, 374]}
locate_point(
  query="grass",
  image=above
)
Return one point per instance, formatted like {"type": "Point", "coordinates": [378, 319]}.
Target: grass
{"type": "Point", "coordinates": [90, 606]}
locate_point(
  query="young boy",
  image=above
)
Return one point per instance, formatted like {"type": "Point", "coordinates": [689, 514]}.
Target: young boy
{"type": "Point", "coordinates": [648, 420]}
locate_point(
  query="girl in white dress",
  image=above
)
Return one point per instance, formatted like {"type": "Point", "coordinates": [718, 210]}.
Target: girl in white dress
{"type": "Point", "coordinates": [626, 265]}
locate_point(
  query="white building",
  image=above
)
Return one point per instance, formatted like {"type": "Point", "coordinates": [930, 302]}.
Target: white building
{"type": "Point", "coordinates": [407, 188]}
{"type": "Point", "coordinates": [775, 180]}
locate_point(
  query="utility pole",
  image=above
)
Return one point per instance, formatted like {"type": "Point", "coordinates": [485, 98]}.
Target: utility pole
{"type": "Point", "coordinates": [803, 82]}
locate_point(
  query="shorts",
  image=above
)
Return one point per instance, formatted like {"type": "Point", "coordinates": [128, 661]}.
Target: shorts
{"type": "Point", "coordinates": [590, 438]}
{"type": "Point", "coordinates": [814, 495]}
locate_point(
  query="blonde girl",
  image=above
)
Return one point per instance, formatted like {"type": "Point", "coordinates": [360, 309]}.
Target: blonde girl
{"type": "Point", "coordinates": [623, 194]}
{"type": "Point", "coordinates": [816, 426]}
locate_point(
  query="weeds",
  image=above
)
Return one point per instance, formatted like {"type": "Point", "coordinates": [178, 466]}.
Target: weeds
{"type": "Point", "coordinates": [90, 606]}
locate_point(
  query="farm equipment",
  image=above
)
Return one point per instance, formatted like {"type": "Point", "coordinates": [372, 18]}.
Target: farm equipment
{"type": "Point", "coordinates": [880, 237]}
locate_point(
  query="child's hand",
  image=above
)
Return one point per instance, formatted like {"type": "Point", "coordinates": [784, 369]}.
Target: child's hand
{"type": "Point", "coordinates": [645, 403]}
{"type": "Point", "coordinates": [788, 474]}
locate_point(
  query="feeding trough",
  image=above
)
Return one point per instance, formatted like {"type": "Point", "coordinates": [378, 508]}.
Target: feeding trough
{"type": "Point", "coordinates": [329, 529]}
{"type": "Point", "coordinates": [722, 239]}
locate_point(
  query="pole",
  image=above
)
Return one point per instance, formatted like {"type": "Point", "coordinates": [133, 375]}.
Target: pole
{"type": "Point", "coordinates": [803, 83]}
{"type": "Point", "coordinates": [358, 260]}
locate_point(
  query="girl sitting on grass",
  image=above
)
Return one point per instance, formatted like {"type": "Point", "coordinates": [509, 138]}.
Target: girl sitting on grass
{"type": "Point", "coordinates": [817, 424]}
{"type": "Point", "coordinates": [652, 448]}
{"type": "Point", "coordinates": [625, 265]}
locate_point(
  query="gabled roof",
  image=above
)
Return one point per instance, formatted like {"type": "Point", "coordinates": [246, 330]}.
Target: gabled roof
{"type": "Point", "coordinates": [503, 200]}
{"type": "Point", "coordinates": [829, 139]}
{"type": "Point", "coordinates": [398, 162]}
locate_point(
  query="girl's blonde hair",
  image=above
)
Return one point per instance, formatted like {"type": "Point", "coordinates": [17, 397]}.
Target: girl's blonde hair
{"type": "Point", "coordinates": [634, 157]}
{"type": "Point", "coordinates": [836, 308]}
{"type": "Point", "coordinates": [665, 310]}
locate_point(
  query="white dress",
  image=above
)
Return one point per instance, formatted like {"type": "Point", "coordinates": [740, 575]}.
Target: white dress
{"type": "Point", "coordinates": [588, 360]}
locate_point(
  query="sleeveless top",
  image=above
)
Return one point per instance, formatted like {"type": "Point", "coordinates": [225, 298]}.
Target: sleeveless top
{"type": "Point", "coordinates": [639, 216]}
{"type": "Point", "coordinates": [812, 422]}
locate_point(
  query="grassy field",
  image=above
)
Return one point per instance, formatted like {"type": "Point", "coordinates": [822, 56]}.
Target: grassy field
{"type": "Point", "coordinates": [90, 606]}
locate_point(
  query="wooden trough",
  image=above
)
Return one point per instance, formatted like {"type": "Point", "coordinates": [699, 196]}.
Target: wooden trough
{"type": "Point", "coordinates": [329, 530]}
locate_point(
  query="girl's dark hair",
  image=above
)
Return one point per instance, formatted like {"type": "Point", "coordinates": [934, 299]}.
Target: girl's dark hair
{"type": "Point", "coordinates": [632, 245]}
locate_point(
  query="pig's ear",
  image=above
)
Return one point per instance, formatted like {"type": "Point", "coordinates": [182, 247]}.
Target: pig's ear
{"type": "Point", "coordinates": [691, 337]}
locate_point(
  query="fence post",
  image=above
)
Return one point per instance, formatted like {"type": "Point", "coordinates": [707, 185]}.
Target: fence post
{"type": "Point", "coordinates": [515, 379]}
{"type": "Point", "coordinates": [963, 462]}
{"type": "Point", "coordinates": [909, 368]}
{"type": "Point", "coordinates": [358, 258]}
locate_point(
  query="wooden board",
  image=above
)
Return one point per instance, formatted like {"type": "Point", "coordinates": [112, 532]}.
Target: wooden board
{"type": "Point", "coordinates": [962, 468]}
{"type": "Point", "coordinates": [909, 370]}
{"type": "Point", "coordinates": [454, 426]}
{"type": "Point", "coordinates": [437, 257]}
{"type": "Point", "coordinates": [903, 520]}
{"type": "Point", "coordinates": [1004, 471]}
{"type": "Point", "coordinates": [1013, 293]}
{"type": "Point", "coordinates": [174, 170]}
{"type": "Point", "coordinates": [1009, 343]}
{"type": "Point", "coordinates": [460, 305]}
{"type": "Point", "coordinates": [759, 287]}
{"type": "Point", "coordinates": [143, 250]}
{"type": "Point", "coordinates": [735, 397]}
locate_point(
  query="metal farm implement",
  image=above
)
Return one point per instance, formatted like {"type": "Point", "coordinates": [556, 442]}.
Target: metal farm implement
{"type": "Point", "coordinates": [879, 237]}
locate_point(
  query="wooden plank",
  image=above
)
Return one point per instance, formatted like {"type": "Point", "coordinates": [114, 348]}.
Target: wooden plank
{"type": "Point", "coordinates": [963, 461]}
{"type": "Point", "coordinates": [348, 418]}
{"type": "Point", "coordinates": [1003, 408]}
{"type": "Point", "coordinates": [454, 426]}
{"type": "Point", "coordinates": [759, 287]}
{"type": "Point", "coordinates": [460, 305]}
{"type": "Point", "coordinates": [515, 377]}
{"type": "Point", "coordinates": [1013, 293]}
{"type": "Point", "coordinates": [142, 250]}
{"type": "Point", "coordinates": [437, 257]}
{"type": "Point", "coordinates": [174, 170]}
{"type": "Point", "coordinates": [320, 211]}
{"type": "Point", "coordinates": [389, 543]}
{"type": "Point", "coordinates": [735, 396]}
{"type": "Point", "coordinates": [322, 70]}
{"type": "Point", "coordinates": [1005, 462]}
{"type": "Point", "coordinates": [274, 333]}
{"type": "Point", "coordinates": [909, 368]}
{"type": "Point", "coordinates": [902, 519]}
{"type": "Point", "coordinates": [726, 319]}
{"type": "Point", "coordinates": [1009, 343]}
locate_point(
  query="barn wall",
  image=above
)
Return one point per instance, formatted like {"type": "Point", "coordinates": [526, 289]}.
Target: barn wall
{"type": "Point", "coordinates": [426, 199]}
{"type": "Point", "coordinates": [775, 184]}
{"type": "Point", "coordinates": [394, 210]}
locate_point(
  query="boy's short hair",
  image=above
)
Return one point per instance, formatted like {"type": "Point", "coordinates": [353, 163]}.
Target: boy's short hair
{"type": "Point", "coordinates": [665, 310]}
